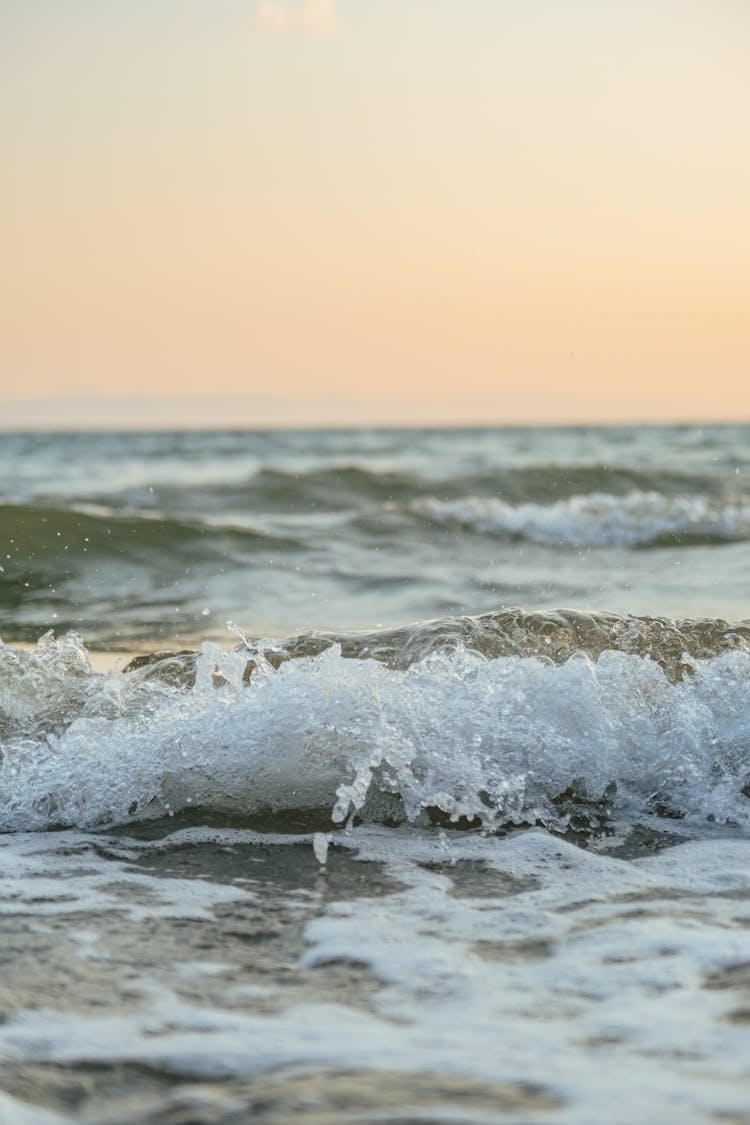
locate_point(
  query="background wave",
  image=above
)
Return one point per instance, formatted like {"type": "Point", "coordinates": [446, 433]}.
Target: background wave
{"type": "Point", "coordinates": [155, 539]}
{"type": "Point", "coordinates": [636, 519]}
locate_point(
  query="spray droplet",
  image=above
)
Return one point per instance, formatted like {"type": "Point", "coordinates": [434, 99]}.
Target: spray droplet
{"type": "Point", "coordinates": [320, 847]}
{"type": "Point", "coordinates": [205, 612]}
{"type": "Point", "coordinates": [238, 632]}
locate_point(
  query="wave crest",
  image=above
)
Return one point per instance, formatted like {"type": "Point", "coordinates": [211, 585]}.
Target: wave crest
{"type": "Point", "coordinates": [485, 739]}
{"type": "Point", "coordinates": [599, 519]}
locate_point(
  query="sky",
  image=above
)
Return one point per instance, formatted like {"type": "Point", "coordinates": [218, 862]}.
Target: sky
{"type": "Point", "coordinates": [334, 211]}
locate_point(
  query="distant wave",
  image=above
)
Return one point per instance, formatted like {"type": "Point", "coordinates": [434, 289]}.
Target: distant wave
{"type": "Point", "coordinates": [583, 716]}
{"type": "Point", "coordinates": [352, 485]}
{"type": "Point", "coordinates": [599, 519]}
{"type": "Point", "coordinates": [35, 530]}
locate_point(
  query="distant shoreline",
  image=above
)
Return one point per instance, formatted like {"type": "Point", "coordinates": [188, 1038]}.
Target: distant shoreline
{"type": "Point", "coordinates": [163, 414]}
{"type": "Point", "coordinates": [124, 425]}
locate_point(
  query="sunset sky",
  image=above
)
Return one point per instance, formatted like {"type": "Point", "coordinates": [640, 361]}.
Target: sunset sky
{"type": "Point", "coordinates": [374, 210]}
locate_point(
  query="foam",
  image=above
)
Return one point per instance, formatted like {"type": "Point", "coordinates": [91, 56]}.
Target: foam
{"type": "Point", "coordinates": [509, 739]}
{"type": "Point", "coordinates": [597, 519]}
{"type": "Point", "coordinates": [64, 874]}
{"type": "Point", "coordinates": [610, 1010]}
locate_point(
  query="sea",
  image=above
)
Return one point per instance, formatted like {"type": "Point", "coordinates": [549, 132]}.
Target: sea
{"type": "Point", "coordinates": [376, 775]}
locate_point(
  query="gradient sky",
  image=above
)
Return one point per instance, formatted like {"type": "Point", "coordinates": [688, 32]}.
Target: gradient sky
{"type": "Point", "coordinates": [388, 210]}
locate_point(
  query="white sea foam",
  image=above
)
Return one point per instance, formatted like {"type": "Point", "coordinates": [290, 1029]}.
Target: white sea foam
{"type": "Point", "coordinates": [52, 877]}
{"type": "Point", "coordinates": [606, 984]}
{"type": "Point", "coordinates": [597, 519]}
{"type": "Point", "coordinates": [495, 739]}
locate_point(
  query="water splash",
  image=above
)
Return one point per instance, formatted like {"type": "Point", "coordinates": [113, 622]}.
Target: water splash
{"type": "Point", "coordinates": [458, 734]}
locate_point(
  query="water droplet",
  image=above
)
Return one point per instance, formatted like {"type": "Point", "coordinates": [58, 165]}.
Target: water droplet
{"type": "Point", "coordinates": [320, 847]}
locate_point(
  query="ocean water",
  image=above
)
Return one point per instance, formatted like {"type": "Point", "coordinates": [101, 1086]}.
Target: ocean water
{"type": "Point", "coordinates": [414, 785]}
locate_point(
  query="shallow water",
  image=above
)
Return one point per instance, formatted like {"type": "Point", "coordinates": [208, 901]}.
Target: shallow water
{"type": "Point", "coordinates": [407, 842]}
{"type": "Point", "coordinates": [213, 974]}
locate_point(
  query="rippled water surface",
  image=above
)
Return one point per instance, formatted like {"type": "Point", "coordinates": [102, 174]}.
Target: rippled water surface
{"type": "Point", "coordinates": [135, 537]}
{"type": "Point", "coordinates": [416, 786]}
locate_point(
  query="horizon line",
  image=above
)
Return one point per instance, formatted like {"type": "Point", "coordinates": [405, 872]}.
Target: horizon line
{"type": "Point", "coordinates": [160, 413]}
{"type": "Point", "coordinates": [334, 426]}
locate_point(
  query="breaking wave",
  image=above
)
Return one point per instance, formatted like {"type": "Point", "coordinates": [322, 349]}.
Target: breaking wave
{"type": "Point", "coordinates": [637, 519]}
{"type": "Point", "coordinates": [506, 719]}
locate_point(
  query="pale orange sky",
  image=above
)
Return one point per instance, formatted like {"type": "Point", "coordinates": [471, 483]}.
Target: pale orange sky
{"type": "Point", "coordinates": [388, 210]}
